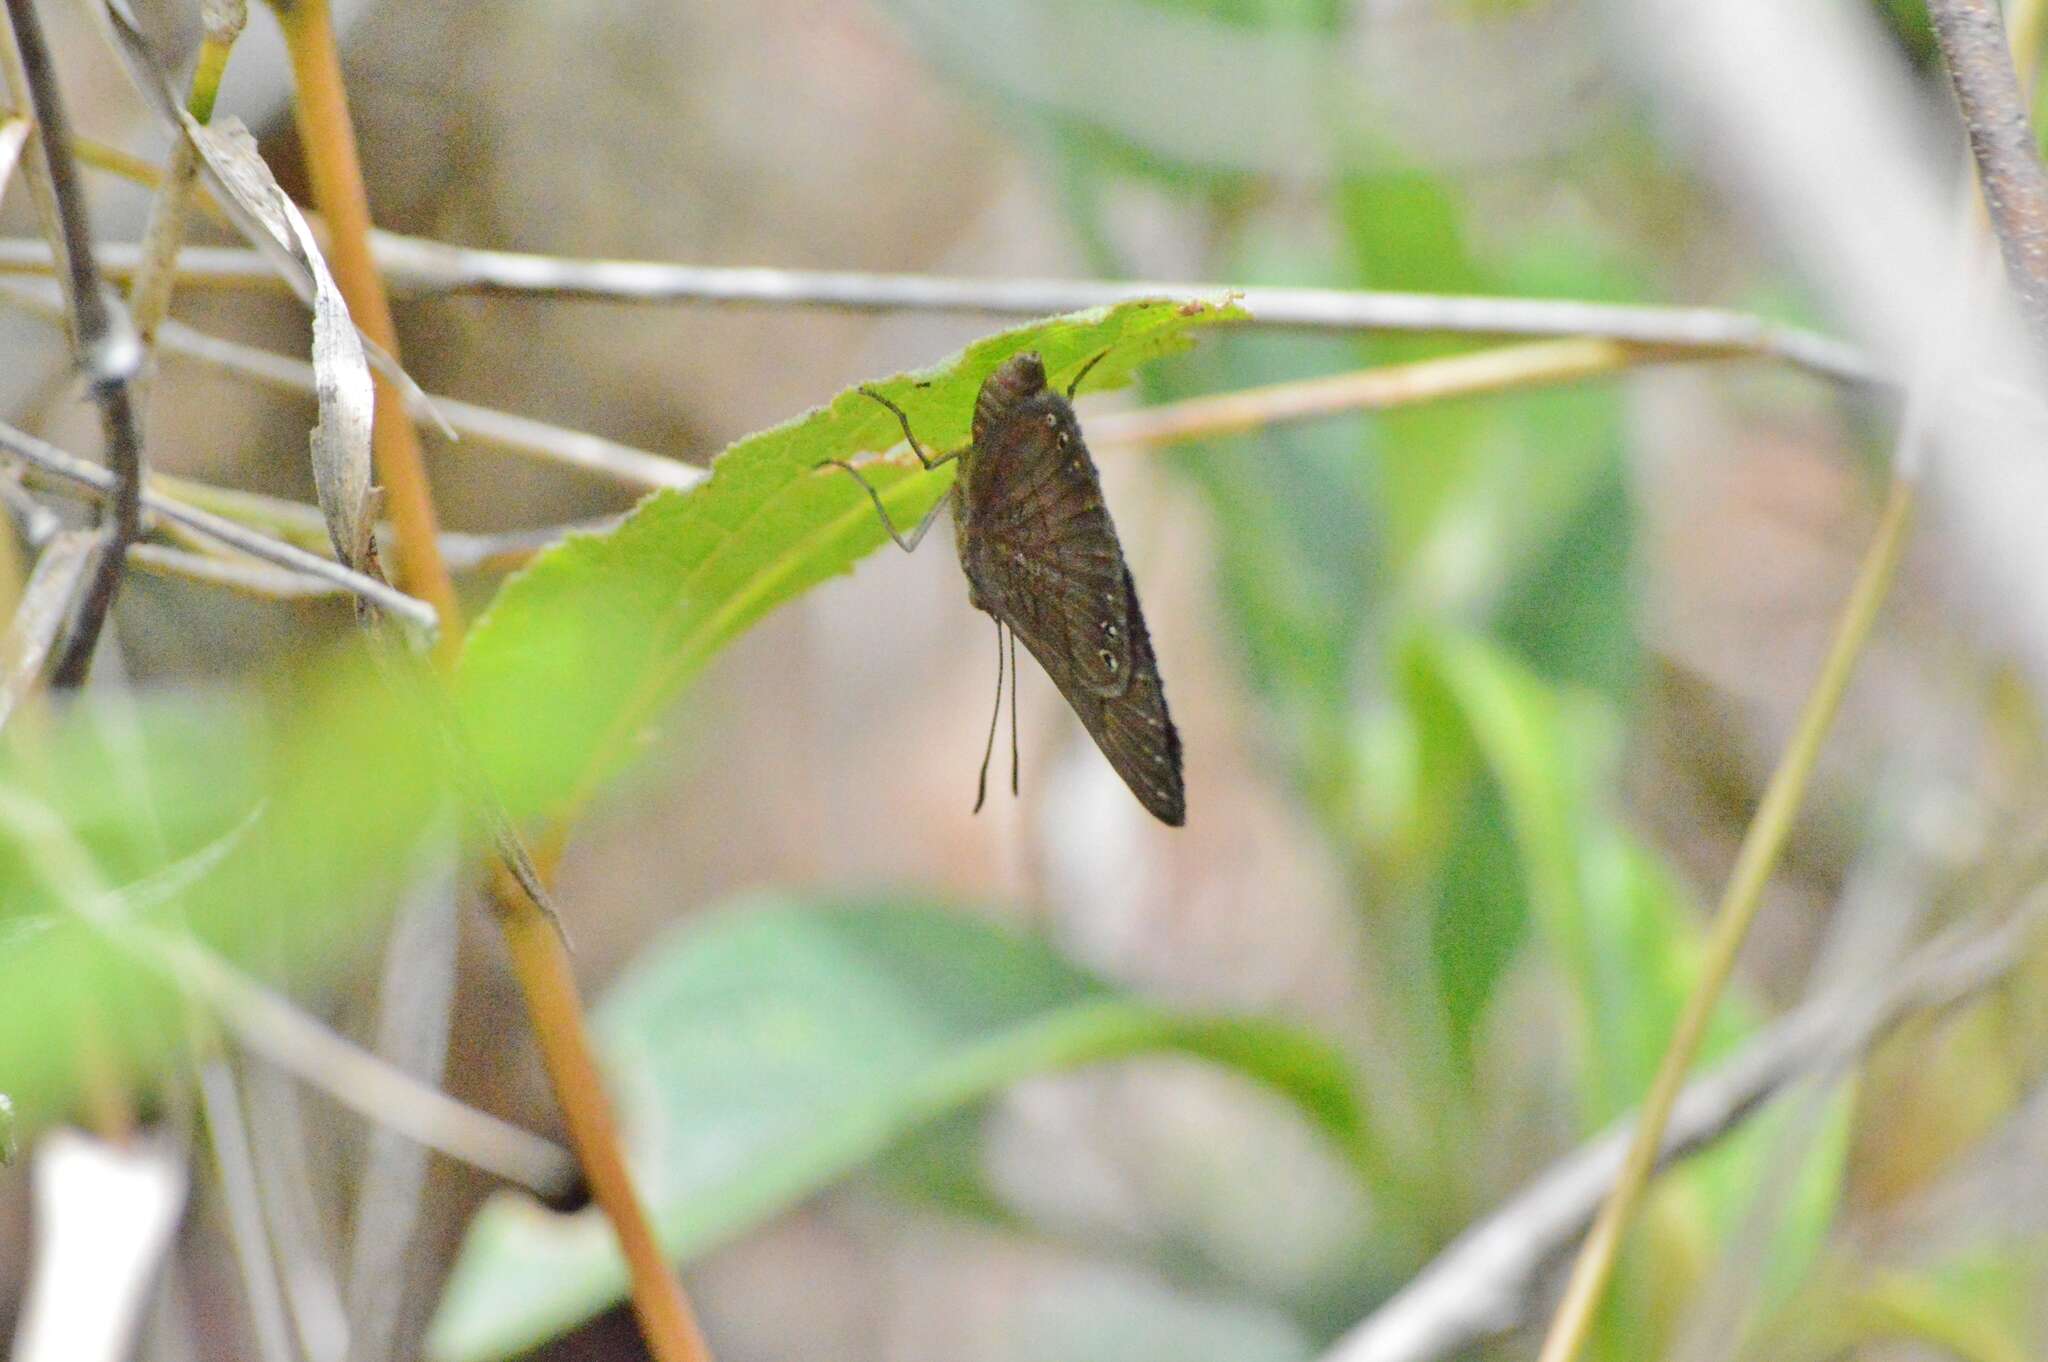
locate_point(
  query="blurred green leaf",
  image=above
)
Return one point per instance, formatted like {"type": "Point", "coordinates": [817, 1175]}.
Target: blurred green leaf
{"type": "Point", "coordinates": [580, 652]}
{"type": "Point", "coordinates": [1611, 918]}
{"type": "Point", "coordinates": [939, 1165]}
{"type": "Point", "coordinates": [766, 1052]}
{"type": "Point", "coordinates": [272, 825]}
{"type": "Point", "coordinates": [1571, 614]}
{"type": "Point", "coordinates": [1479, 918]}
{"type": "Point", "coordinates": [280, 815]}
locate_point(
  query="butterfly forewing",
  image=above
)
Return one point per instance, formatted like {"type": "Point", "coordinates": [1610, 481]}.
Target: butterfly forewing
{"type": "Point", "coordinates": [1042, 556]}
{"type": "Point", "coordinates": [1045, 537]}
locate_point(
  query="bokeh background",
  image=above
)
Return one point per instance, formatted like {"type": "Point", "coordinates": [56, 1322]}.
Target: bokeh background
{"type": "Point", "coordinates": [1477, 698]}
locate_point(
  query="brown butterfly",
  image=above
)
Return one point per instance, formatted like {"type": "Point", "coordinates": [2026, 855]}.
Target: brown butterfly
{"type": "Point", "coordinates": [1042, 558]}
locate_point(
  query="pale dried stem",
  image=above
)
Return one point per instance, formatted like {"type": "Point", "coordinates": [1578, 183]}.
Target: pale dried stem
{"type": "Point", "coordinates": [44, 457]}
{"type": "Point", "coordinates": [419, 268]}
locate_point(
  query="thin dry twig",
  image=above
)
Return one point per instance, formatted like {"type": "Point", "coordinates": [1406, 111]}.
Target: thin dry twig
{"type": "Point", "coordinates": [45, 602]}
{"type": "Point", "coordinates": [522, 435]}
{"type": "Point", "coordinates": [164, 233]}
{"type": "Point", "coordinates": [44, 457]}
{"type": "Point", "coordinates": [463, 553]}
{"type": "Point", "coordinates": [106, 348]}
{"type": "Point", "coordinates": [236, 570]}
{"type": "Point", "coordinates": [415, 1011]}
{"type": "Point", "coordinates": [1499, 369]}
{"type": "Point", "coordinates": [1487, 1282]}
{"type": "Point", "coordinates": [236, 573]}
{"type": "Point", "coordinates": [420, 268]}
{"type": "Point", "coordinates": [1971, 35]}
{"type": "Point", "coordinates": [301, 524]}
{"type": "Point", "coordinates": [228, 1131]}
{"type": "Point", "coordinates": [514, 434]}
{"type": "Point", "coordinates": [35, 168]}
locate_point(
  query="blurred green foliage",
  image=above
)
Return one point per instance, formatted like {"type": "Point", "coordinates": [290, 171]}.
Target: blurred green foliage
{"type": "Point", "coordinates": [773, 1047]}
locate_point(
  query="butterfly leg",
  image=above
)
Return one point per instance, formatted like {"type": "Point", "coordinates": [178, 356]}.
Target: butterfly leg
{"type": "Point", "coordinates": [904, 421]}
{"type": "Point", "coordinates": [908, 543]}
{"type": "Point", "coordinates": [981, 783]}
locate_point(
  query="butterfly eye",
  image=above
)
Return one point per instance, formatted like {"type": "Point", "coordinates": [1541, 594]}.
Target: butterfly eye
{"type": "Point", "coordinates": [1108, 658]}
{"type": "Point", "coordinates": [1052, 419]}
{"type": "Point", "coordinates": [1109, 628]}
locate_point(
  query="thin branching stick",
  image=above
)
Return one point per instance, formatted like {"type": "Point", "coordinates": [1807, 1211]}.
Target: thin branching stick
{"type": "Point", "coordinates": [104, 343]}
{"type": "Point", "coordinates": [515, 434]}
{"type": "Point", "coordinates": [301, 524]}
{"type": "Point", "coordinates": [1971, 35]}
{"type": "Point", "coordinates": [46, 458]}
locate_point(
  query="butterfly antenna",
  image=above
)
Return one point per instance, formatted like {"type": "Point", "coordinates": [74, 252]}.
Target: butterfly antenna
{"type": "Point", "coordinates": [1099, 356]}
{"type": "Point", "coordinates": [989, 750]}
{"type": "Point", "coordinates": [1013, 713]}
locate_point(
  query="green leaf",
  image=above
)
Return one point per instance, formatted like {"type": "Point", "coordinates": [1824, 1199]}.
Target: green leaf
{"type": "Point", "coordinates": [272, 831]}
{"type": "Point", "coordinates": [1609, 915]}
{"type": "Point", "coordinates": [581, 651]}
{"type": "Point", "coordinates": [938, 1166]}
{"type": "Point", "coordinates": [1479, 920]}
{"type": "Point", "coordinates": [778, 1046]}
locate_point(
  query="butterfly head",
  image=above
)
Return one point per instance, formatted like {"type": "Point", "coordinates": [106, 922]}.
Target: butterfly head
{"type": "Point", "coordinates": [1015, 381]}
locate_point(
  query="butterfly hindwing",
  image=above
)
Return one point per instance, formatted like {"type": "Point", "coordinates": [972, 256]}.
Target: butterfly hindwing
{"type": "Point", "coordinates": [1135, 731]}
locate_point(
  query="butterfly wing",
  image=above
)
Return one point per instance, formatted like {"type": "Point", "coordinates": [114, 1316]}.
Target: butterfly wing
{"type": "Point", "coordinates": [1042, 556]}
{"type": "Point", "coordinates": [1046, 543]}
{"type": "Point", "coordinates": [1134, 729]}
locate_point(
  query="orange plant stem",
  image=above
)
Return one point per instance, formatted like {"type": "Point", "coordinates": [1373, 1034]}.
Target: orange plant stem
{"type": "Point", "coordinates": [538, 956]}
{"type": "Point", "coordinates": [666, 1320]}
